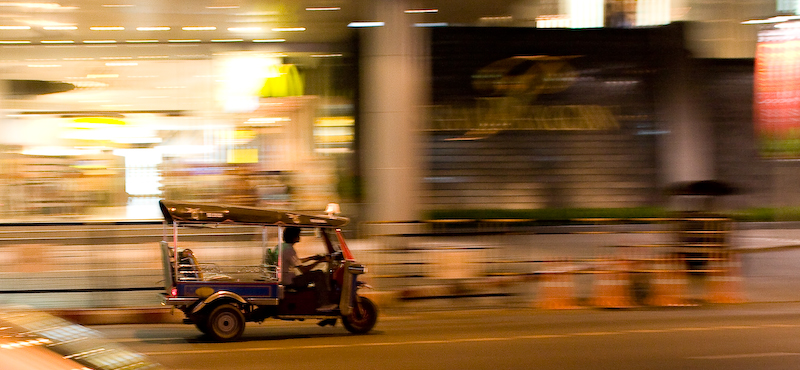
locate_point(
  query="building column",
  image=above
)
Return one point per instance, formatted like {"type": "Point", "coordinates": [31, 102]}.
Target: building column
{"type": "Point", "coordinates": [687, 149]}
{"type": "Point", "coordinates": [391, 95]}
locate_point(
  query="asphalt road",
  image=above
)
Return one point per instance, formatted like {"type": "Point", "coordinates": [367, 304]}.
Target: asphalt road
{"type": "Point", "coordinates": [746, 336]}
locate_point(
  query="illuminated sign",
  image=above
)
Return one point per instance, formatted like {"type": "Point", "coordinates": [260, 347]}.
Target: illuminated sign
{"type": "Point", "coordinates": [776, 94]}
{"type": "Point", "coordinates": [510, 87]}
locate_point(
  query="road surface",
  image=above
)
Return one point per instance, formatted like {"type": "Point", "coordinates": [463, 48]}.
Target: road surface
{"type": "Point", "coordinates": [731, 337]}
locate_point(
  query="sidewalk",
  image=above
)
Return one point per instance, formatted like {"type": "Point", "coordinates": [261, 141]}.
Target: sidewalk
{"type": "Point", "coordinates": [449, 272]}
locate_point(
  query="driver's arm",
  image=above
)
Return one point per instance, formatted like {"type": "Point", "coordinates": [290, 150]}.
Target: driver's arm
{"type": "Point", "coordinates": [308, 267]}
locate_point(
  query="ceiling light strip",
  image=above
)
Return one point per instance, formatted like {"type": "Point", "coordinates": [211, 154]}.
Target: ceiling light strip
{"type": "Point", "coordinates": [244, 29]}
{"type": "Point", "coordinates": [57, 42]}
{"type": "Point", "coordinates": [359, 24]}
{"type": "Point", "coordinates": [420, 11]}
{"type": "Point", "coordinates": [15, 27]}
{"type": "Point", "coordinates": [288, 29]}
{"type": "Point", "coordinates": [269, 40]}
{"type": "Point", "coordinates": [152, 28]}
{"type": "Point", "coordinates": [199, 28]}
{"type": "Point", "coordinates": [323, 8]}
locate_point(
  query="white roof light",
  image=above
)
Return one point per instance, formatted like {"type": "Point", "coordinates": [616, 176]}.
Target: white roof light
{"type": "Point", "coordinates": [12, 42]}
{"type": "Point", "coordinates": [99, 41]}
{"type": "Point", "coordinates": [323, 8]}
{"type": "Point", "coordinates": [15, 27]}
{"type": "Point", "coordinates": [184, 40]}
{"type": "Point", "coordinates": [58, 42]}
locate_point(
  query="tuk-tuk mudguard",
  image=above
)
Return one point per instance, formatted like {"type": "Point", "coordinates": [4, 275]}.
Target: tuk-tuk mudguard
{"type": "Point", "coordinates": [349, 288]}
{"type": "Point", "coordinates": [218, 296]}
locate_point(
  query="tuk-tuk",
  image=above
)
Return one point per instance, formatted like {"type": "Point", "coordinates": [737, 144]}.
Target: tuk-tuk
{"type": "Point", "coordinates": [219, 301]}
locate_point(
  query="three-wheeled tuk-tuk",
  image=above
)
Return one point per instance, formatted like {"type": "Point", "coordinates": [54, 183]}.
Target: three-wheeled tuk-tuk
{"type": "Point", "coordinates": [219, 299]}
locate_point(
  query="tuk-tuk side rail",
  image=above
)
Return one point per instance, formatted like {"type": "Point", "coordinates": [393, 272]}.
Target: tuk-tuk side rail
{"type": "Point", "coordinates": [215, 272]}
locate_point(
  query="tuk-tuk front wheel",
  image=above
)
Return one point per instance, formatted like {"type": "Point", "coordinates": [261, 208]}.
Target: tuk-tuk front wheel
{"type": "Point", "coordinates": [363, 317]}
{"type": "Point", "coordinates": [225, 323]}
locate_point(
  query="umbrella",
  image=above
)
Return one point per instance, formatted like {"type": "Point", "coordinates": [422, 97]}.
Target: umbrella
{"type": "Point", "coordinates": [704, 187]}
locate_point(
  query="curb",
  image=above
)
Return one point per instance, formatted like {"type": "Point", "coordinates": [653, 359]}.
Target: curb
{"type": "Point", "coordinates": [111, 316]}
{"type": "Point", "coordinates": [167, 315]}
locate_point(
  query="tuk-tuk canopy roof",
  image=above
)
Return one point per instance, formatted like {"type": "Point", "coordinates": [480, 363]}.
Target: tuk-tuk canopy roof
{"type": "Point", "coordinates": [201, 213]}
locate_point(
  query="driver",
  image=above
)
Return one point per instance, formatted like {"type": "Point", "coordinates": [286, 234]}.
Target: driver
{"type": "Point", "coordinates": [292, 264]}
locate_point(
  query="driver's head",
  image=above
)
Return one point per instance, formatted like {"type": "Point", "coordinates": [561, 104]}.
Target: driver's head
{"type": "Point", "coordinates": [291, 234]}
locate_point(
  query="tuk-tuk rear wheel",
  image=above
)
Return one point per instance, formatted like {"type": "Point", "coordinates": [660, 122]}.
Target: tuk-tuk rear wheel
{"type": "Point", "coordinates": [363, 317]}
{"type": "Point", "coordinates": [225, 323]}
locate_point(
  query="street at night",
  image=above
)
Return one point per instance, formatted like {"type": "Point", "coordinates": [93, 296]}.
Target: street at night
{"type": "Point", "coordinates": [747, 336]}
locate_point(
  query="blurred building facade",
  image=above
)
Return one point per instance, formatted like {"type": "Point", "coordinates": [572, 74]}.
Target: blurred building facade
{"type": "Point", "coordinates": [517, 105]}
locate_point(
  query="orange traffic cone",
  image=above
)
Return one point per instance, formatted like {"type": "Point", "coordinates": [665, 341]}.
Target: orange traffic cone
{"type": "Point", "coordinates": [612, 287]}
{"type": "Point", "coordinates": [670, 285]}
{"type": "Point", "coordinates": [724, 281]}
{"type": "Point", "coordinates": [557, 289]}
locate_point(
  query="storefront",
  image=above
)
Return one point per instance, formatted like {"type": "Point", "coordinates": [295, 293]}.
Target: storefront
{"type": "Point", "coordinates": [97, 130]}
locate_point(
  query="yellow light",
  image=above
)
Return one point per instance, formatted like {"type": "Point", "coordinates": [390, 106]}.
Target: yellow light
{"type": "Point", "coordinates": [242, 156]}
{"type": "Point", "coordinates": [92, 122]}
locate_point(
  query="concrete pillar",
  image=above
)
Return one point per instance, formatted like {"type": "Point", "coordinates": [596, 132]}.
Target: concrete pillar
{"type": "Point", "coordinates": [391, 95]}
{"type": "Point", "coordinates": [687, 147]}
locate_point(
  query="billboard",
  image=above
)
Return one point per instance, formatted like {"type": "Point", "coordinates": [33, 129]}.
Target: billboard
{"type": "Point", "coordinates": [776, 94]}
